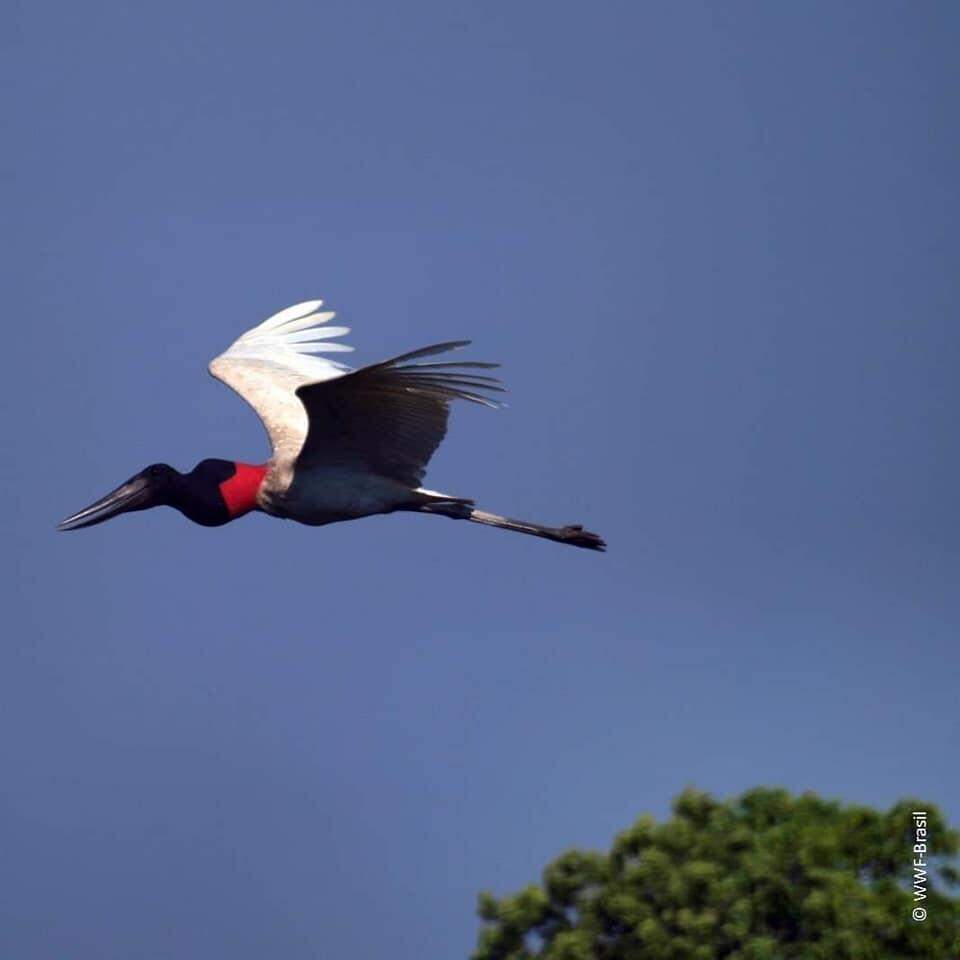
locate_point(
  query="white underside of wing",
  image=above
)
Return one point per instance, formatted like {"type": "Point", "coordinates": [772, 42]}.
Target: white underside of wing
{"type": "Point", "coordinates": [295, 338]}
{"type": "Point", "coordinates": [268, 363]}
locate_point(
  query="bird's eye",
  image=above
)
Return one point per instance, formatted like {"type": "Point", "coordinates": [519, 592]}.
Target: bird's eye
{"type": "Point", "coordinates": [156, 471]}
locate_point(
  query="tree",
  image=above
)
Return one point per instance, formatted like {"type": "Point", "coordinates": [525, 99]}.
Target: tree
{"type": "Point", "coordinates": [764, 876]}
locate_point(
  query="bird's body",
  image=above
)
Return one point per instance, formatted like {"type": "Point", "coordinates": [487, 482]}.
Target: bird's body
{"type": "Point", "coordinates": [345, 443]}
{"type": "Point", "coordinates": [328, 494]}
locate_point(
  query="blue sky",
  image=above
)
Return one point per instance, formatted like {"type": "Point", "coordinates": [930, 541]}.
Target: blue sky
{"type": "Point", "coordinates": [715, 247]}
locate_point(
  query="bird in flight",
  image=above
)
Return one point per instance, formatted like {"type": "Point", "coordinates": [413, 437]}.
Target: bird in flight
{"type": "Point", "coordinates": [346, 443]}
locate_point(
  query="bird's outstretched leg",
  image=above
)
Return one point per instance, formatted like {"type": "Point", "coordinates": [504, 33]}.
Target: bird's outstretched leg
{"type": "Point", "coordinates": [575, 535]}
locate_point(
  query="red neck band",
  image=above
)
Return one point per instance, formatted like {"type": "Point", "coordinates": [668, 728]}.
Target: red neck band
{"type": "Point", "coordinates": [240, 491]}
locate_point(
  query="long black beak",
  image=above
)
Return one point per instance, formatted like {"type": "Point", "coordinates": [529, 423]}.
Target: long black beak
{"type": "Point", "coordinates": [135, 494]}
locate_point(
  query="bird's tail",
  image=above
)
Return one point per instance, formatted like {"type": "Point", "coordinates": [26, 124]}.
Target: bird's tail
{"type": "Point", "coordinates": [458, 509]}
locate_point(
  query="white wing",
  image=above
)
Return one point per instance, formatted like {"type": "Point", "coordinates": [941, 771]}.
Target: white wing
{"type": "Point", "coordinates": [268, 363]}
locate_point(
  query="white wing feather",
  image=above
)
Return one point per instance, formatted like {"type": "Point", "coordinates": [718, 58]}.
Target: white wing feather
{"type": "Point", "coordinates": [268, 363]}
{"type": "Point", "coordinates": [292, 338]}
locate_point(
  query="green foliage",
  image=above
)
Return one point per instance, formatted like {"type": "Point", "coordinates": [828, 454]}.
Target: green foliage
{"type": "Point", "coordinates": [764, 876]}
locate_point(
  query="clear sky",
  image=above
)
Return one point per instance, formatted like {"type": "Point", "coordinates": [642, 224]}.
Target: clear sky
{"type": "Point", "coordinates": [715, 246]}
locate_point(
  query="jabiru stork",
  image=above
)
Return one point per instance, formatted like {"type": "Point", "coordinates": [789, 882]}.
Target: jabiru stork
{"type": "Point", "coordinates": [346, 443]}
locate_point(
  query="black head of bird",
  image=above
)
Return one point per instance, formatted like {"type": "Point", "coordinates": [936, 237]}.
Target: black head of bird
{"type": "Point", "coordinates": [213, 493]}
